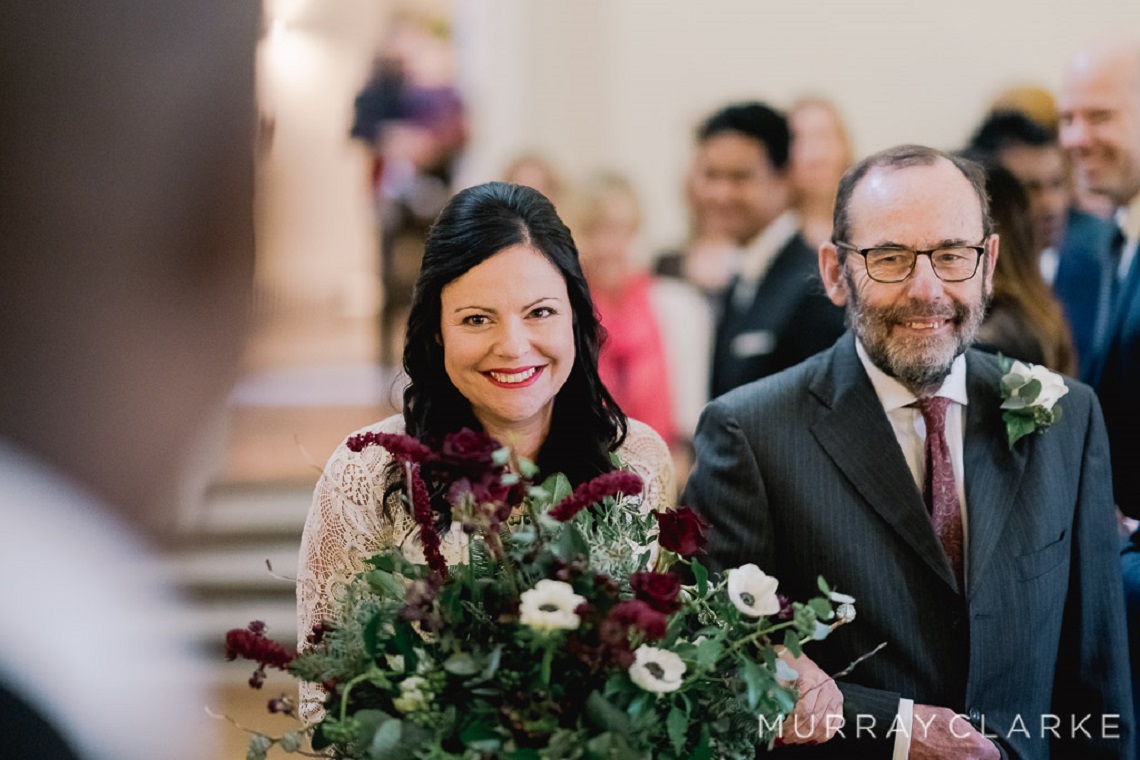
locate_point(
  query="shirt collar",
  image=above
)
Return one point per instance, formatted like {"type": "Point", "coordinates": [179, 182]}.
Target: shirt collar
{"type": "Point", "coordinates": [894, 395]}
{"type": "Point", "coordinates": [760, 252]}
{"type": "Point", "coordinates": [1128, 219]}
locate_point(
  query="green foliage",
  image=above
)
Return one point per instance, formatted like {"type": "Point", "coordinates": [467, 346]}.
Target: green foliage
{"type": "Point", "coordinates": [483, 682]}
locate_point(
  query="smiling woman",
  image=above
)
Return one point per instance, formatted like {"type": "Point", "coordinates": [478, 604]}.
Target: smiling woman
{"type": "Point", "coordinates": [502, 337]}
{"type": "Point", "coordinates": [509, 350]}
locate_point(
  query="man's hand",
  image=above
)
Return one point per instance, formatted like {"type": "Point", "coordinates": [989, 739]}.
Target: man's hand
{"type": "Point", "coordinates": [938, 732]}
{"type": "Point", "coordinates": [819, 710]}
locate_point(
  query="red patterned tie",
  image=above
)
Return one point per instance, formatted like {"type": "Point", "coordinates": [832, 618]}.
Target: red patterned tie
{"type": "Point", "coordinates": [940, 490]}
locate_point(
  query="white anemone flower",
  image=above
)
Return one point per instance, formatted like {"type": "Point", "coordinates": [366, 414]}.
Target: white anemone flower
{"type": "Point", "coordinates": [550, 606]}
{"type": "Point", "coordinates": [752, 591]}
{"type": "Point", "coordinates": [656, 670]}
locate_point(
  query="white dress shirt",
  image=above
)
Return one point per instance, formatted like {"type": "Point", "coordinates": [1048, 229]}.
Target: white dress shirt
{"type": "Point", "coordinates": [910, 431]}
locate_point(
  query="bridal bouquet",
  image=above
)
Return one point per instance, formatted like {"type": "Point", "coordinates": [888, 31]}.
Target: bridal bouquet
{"type": "Point", "coordinates": [580, 626]}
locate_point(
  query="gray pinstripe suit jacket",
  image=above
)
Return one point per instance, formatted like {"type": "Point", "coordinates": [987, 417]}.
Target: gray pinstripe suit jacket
{"type": "Point", "coordinates": [801, 474]}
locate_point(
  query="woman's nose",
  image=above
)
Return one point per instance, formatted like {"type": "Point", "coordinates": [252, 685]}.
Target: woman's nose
{"type": "Point", "coordinates": [511, 339]}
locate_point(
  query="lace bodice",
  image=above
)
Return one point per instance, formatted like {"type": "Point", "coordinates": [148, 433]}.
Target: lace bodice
{"type": "Point", "coordinates": [347, 524]}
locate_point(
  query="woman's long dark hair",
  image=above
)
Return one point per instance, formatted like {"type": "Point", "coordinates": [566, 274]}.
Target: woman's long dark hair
{"type": "Point", "coordinates": [586, 423]}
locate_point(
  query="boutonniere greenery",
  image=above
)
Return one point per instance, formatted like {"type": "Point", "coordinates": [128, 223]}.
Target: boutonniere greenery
{"type": "Point", "coordinates": [1029, 398]}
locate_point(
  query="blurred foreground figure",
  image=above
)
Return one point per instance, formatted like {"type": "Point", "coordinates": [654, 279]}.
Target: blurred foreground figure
{"type": "Point", "coordinates": [125, 264]}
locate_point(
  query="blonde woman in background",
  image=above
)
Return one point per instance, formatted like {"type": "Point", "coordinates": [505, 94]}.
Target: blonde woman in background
{"type": "Point", "coordinates": [821, 152]}
{"type": "Point", "coordinates": [656, 357]}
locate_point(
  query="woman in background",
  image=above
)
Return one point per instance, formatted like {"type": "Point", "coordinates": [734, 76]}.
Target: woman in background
{"type": "Point", "coordinates": [821, 153]}
{"type": "Point", "coordinates": [1025, 320]}
{"type": "Point", "coordinates": [659, 330]}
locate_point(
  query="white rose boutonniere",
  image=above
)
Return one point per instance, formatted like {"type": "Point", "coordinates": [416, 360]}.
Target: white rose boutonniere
{"type": "Point", "coordinates": [1029, 397]}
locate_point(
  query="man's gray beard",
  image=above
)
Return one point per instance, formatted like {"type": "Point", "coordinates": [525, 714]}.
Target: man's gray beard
{"type": "Point", "coordinates": [924, 375]}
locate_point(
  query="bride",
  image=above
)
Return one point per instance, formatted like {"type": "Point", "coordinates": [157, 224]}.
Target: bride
{"type": "Point", "coordinates": [502, 337]}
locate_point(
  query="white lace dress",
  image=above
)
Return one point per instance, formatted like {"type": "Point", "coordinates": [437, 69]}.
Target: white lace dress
{"type": "Point", "coordinates": [347, 523]}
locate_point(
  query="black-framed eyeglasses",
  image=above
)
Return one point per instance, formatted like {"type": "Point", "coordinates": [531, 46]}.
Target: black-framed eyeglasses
{"type": "Point", "coordinates": [895, 263]}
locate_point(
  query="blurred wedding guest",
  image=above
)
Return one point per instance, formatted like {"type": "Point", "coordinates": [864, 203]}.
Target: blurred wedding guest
{"type": "Point", "coordinates": [1100, 128]}
{"type": "Point", "coordinates": [774, 313]}
{"type": "Point", "coordinates": [1034, 101]}
{"type": "Point", "coordinates": [413, 121]}
{"type": "Point", "coordinates": [821, 152]}
{"type": "Point", "coordinates": [1025, 320]}
{"type": "Point", "coordinates": [710, 256]}
{"type": "Point", "coordinates": [1039, 105]}
{"type": "Point", "coordinates": [126, 257]}
{"type": "Point", "coordinates": [655, 357]}
{"type": "Point", "coordinates": [1032, 153]}
{"type": "Point", "coordinates": [536, 171]}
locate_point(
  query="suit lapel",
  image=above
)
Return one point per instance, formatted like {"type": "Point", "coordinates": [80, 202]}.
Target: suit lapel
{"type": "Point", "coordinates": [858, 437]}
{"type": "Point", "coordinates": [993, 472]}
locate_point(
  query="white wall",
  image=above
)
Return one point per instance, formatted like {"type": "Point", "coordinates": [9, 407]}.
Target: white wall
{"type": "Point", "coordinates": [622, 83]}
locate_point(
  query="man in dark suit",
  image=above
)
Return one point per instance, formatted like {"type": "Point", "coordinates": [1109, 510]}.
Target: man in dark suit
{"type": "Point", "coordinates": [1100, 127]}
{"type": "Point", "coordinates": [774, 313]}
{"type": "Point", "coordinates": [988, 570]}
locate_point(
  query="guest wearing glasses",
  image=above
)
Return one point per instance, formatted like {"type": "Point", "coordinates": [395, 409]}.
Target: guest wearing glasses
{"type": "Point", "coordinates": [884, 465]}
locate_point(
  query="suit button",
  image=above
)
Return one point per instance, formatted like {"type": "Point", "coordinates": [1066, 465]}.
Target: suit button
{"type": "Point", "coordinates": [974, 715]}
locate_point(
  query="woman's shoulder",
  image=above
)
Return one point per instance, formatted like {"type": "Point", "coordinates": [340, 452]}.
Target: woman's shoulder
{"type": "Point", "coordinates": [644, 452]}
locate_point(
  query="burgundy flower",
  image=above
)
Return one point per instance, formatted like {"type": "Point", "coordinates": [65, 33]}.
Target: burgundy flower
{"type": "Point", "coordinates": [658, 590]}
{"type": "Point", "coordinates": [593, 491]}
{"type": "Point", "coordinates": [317, 635]}
{"type": "Point", "coordinates": [469, 450]}
{"type": "Point", "coordinates": [402, 447]}
{"type": "Point", "coordinates": [638, 614]}
{"type": "Point", "coordinates": [425, 518]}
{"type": "Point", "coordinates": [251, 644]}
{"type": "Point", "coordinates": [682, 531]}
{"type": "Point", "coordinates": [787, 612]}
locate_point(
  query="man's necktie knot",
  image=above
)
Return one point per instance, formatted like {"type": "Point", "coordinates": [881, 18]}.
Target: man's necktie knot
{"type": "Point", "coordinates": [934, 413]}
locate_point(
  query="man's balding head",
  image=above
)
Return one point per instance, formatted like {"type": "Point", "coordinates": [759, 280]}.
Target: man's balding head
{"type": "Point", "coordinates": [1100, 118]}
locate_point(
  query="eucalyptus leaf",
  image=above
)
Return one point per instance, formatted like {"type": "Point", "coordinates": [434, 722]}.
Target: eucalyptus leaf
{"type": "Point", "coordinates": [605, 714]}
{"type": "Point", "coordinates": [1030, 391]}
{"type": "Point", "coordinates": [385, 740]}
{"type": "Point", "coordinates": [701, 575]}
{"type": "Point", "coordinates": [386, 585]}
{"type": "Point", "coordinates": [792, 643]}
{"type": "Point", "coordinates": [572, 544]}
{"type": "Point", "coordinates": [754, 679]}
{"type": "Point", "coordinates": [677, 726]}
{"type": "Point", "coordinates": [462, 664]}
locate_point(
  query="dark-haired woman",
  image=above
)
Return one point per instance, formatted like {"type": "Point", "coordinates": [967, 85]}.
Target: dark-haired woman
{"type": "Point", "coordinates": [1025, 320]}
{"type": "Point", "coordinates": [502, 337]}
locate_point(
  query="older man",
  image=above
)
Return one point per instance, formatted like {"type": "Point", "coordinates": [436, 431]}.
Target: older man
{"type": "Point", "coordinates": [884, 465]}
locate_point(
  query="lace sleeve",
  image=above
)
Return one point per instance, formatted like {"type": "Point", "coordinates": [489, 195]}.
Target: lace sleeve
{"type": "Point", "coordinates": [344, 527]}
{"type": "Point", "coordinates": [645, 453]}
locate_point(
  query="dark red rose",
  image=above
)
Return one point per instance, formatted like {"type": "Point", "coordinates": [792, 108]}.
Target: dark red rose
{"type": "Point", "coordinates": [469, 450]}
{"type": "Point", "coordinates": [637, 614]}
{"type": "Point", "coordinates": [683, 531]}
{"type": "Point", "coordinates": [658, 590]}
